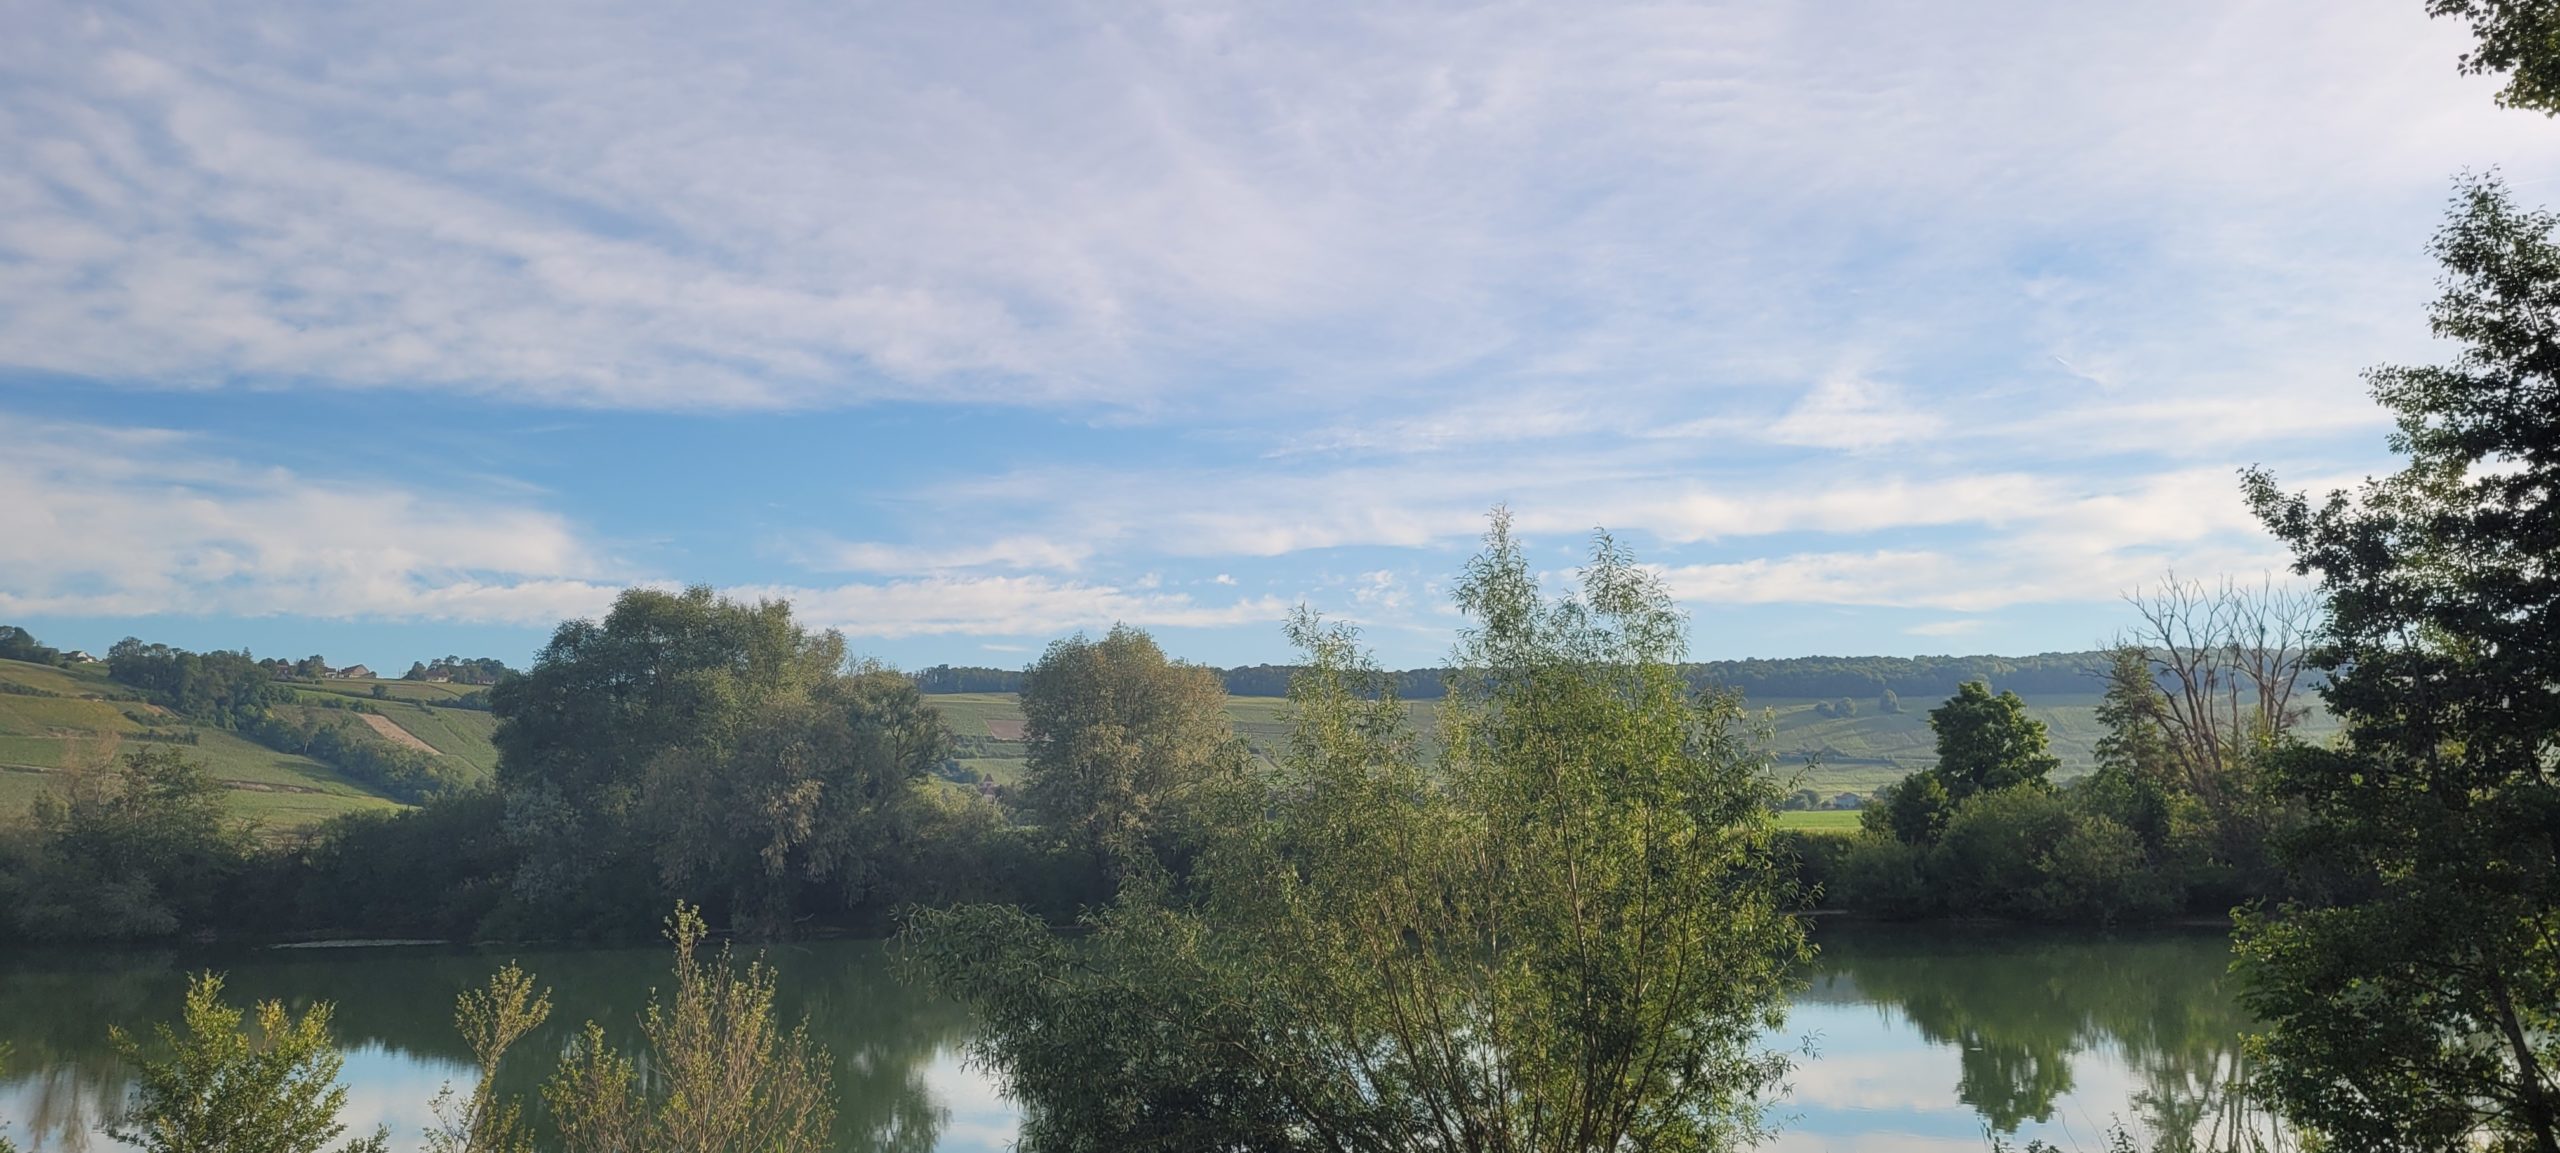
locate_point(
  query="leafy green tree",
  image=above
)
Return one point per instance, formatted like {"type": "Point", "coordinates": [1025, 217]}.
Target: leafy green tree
{"type": "Point", "coordinates": [137, 852]}
{"type": "Point", "coordinates": [1912, 810]}
{"type": "Point", "coordinates": [2518, 39]}
{"type": "Point", "coordinates": [1117, 736]}
{"type": "Point", "coordinates": [17, 644]}
{"type": "Point", "coordinates": [818, 789]}
{"type": "Point", "coordinates": [2412, 998]}
{"type": "Point", "coordinates": [221, 1090]}
{"type": "Point", "coordinates": [2136, 772]}
{"type": "Point", "coordinates": [1569, 934]}
{"type": "Point", "coordinates": [577, 735]}
{"type": "Point", "coordinates": [1987, 743]}
{"type": "Point", "coordinates": [721, 1074]}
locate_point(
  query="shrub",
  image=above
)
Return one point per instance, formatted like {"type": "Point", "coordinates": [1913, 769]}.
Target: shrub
{"type": "Point", "coordinates": [1885, 876]}
{"type": "Point", "coordinates": [2097, 874]}
{"type": "Point", "coordinates": [1991, 857]}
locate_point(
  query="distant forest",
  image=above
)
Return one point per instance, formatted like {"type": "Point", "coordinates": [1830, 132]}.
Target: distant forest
{"type": "Point", "coordinates": [1926, 678]}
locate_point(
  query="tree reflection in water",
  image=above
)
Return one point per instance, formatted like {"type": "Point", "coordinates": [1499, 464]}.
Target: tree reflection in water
{"type": "Point", "coordinates": [66, 1081]}
{"type": "Point", "coordinates": [2018, 1008]}
{"type": "Point", "coordinates": [2017, 1013]}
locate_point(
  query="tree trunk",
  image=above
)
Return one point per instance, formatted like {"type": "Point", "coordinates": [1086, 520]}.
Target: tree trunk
{"type": "Point", "coordinates": [2530, 1094]}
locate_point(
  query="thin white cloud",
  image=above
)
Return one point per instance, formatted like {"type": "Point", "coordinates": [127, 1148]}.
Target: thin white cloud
{"type": "Point", "coordinates": [1014, 552]}
{"type": "Point", "coordinates": [1853, 412]}
{"type": "Point", "coordinates": [1003, 606]}
{"type": "Point", "coordinates": [1614, 206]}
{"type": "Point", "coordinates": [126, 522]}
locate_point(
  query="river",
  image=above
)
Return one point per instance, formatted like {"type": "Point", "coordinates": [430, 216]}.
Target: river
{"type": "Point", "coordinates": [1910, 1039]}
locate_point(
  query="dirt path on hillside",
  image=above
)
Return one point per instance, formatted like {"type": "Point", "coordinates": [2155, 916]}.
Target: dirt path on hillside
{"type": "Point", "coordinates": [397, 735]}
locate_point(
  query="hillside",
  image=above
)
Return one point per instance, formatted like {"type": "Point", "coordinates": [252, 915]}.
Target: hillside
{"type": "Point", "coordinates": [56, 718]}
{"type": "Point", "coordinates": [1853, 753]}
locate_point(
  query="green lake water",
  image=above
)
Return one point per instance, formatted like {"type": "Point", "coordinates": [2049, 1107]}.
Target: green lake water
{"type": "Point", "coordinates": [1918, 1039]}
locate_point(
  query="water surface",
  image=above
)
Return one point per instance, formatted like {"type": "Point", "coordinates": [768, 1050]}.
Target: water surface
{"type": "Point", "coordinates": [1920, 1038]}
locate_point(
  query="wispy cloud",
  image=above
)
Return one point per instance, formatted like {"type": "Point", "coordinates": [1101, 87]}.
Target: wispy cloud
{"type": "Point", "coordinates": [1004, 606]}
{"type": "Point", "coordinates": [119, 522]}
{"type": "Point", "coordinates": [1944, 309]}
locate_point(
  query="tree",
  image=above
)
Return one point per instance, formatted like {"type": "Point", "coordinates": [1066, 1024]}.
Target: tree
{"type": "Point", "coordinates": [491, 1021]}
{"type": "Point", "coordinates": [1987, 743]}
{"type": "Point", "coordinates": [17, 644]}
{"type": "Point", "coordinates": [815, 790]}
{"type": "Point", "coordinates": [134, 853]}
{"type": "Point", "coordinates": [2412, 997]}
{"type": "Point", "coordinates": [222, 1091]}
{"type": "Point", "coordinates": [721, 1074]}
{"type": "Point", "coordinates": [577, 736]}
{"type": "Point", "coordinates": [2227, 664]}
{"type": "Point", "coordinates": [1568, 934]}
{"type": "Point", "coordinates": [1913, 809]}
{"type": "Point", "coordinates": [2518, 39]}
{"type": "Point", "coordinates": [1117, 737]}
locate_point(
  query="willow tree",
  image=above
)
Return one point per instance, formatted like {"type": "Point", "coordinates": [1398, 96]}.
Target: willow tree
{"type": "Point", "coordinates": [1566, 933]}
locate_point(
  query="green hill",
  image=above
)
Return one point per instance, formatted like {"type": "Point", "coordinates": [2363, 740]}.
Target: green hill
{"type": "Point", "coordinates": [52, 719]}
{"type": "Point", "coordinates": [1838, 753]}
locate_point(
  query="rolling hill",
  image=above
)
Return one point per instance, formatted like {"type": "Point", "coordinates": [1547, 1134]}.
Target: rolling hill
{"type": "Point", "coordinates": [1834, 753]}
{"type": "Point", "coordinates": [53, 719]}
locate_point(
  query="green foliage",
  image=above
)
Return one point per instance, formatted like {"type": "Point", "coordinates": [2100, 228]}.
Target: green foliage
{"type": "Point", "coordinates": [722, 1075]}
{"type": "Point", "coordinates": [17, 644]}
{"type": "Point", "coordinates": [221, 1090]}
{"type": "Point", "coordinates": [1118, 738]}
{"type": "Point", "coordinates": [1992, 856]}
{"type": "Point", "coordinates": [1915, 811]}
{"type": "Point", "coordinates": [2518, 39]}
{"type": "Point", "coordinates": [219, 688]}
{"type": "Point", "coordinates": [1988, 743]}
{"type": "Point", "coordinates": [491, 1021]}
{"type": "Point", "coordinates": [138, 852]}
{"type": "Point", "coordinates": [1886, 876]}
{"type": "Point", "coordinates": [2021, 853]}
{"type": "Point", "coordinates": [1567, 937]}
{"type": "Point", "coordinates": [356, 750]}
{"type": "Point", "coordinates": [2410, 994]}
{"type": "Point", "coordinates": [471, 671]}
{"type": "Point", "coordinates": [437, 871]}
{"type": "Point", "coordinates": [612, 709]}
{"type": "Point", "coordinates": [815, 788]}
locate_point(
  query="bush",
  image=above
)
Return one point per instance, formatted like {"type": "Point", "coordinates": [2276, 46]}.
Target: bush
{"type": "Point", "coordinates": [1912, 811]}
{"type": "Point", "coordinates": [2097, 874]}
{"type": "Point", "coordinates": [1992, 855]}
{"type": "Point", "coordinates": [1884, 876]}
{"type": "Point", "coordinates": [439, 870]}
{"type": "Point", "coordinates": [142, 851]}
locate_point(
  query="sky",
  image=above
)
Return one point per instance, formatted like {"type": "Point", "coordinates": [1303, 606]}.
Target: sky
{"type": "Point", "coordinates": [387, 332]}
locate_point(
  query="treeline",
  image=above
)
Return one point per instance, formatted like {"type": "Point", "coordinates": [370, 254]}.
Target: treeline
{"type": "Point", "coordinates": [685, 747]}
{"type": "Point", "coordinates": [17, 644]}
{"type": "Point", "coordinates": [460, 670]}
{"type": "Point", "coordinates": [1854, 678]}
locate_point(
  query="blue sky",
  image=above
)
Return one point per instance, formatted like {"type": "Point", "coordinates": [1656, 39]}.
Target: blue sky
{"type": "Point", "coordinates": [1882, 328]}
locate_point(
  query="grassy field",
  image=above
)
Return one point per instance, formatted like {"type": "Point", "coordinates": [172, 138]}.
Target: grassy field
{"type": "Point", "coordinates": [429, 691]}
{"type": "Point", "coordinates": [83, 723]}
{"type": "Point", "coordinates": [1830, 822]}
